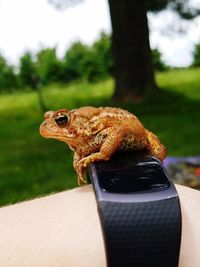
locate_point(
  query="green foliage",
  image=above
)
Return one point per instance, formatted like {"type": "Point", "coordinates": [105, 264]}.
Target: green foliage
{"type": "Point", "coordinates": [81, 62]}
{"type": "Point", "coordinates": [158, 63]}
{"type": "Point", "coordinates": [28, 72]}
{"type": "Point", "coordinates": [184, 8]}
{"type": "Point", "coordinates": [76, 61]}
{"type": "Point", "coordinates": [48, 66]}
{"type": "Point", "coordinates": [8, 78]}
{"type": "Point", "coordinates": [92, 63]}
{"type": "Point", "coordinates": [196, 56]}
{"type": "Point", "coordinates": [101, 62]}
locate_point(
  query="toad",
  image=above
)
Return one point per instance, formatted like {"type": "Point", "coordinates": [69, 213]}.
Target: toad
{"type": "Point", "coordinates": [94, 134]}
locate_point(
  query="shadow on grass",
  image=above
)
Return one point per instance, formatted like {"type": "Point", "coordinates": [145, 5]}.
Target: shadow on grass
{"type": "Point", "coordinates": [165, 101]}
{"type": "Point", "coordinates": [174, 118]}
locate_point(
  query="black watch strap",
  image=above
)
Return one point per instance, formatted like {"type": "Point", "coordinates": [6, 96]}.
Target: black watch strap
{"type": "Point", "coordinates": [139, 234]}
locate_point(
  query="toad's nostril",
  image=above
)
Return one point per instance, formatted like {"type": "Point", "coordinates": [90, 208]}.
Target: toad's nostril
{"type": "Point", "coordinates": [48, 114]}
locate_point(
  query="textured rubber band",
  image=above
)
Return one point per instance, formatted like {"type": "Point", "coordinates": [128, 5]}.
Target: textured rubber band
{"type": "Point", "coordinates": [141, 234]}
{"type": "Point", "coordinates": [139, 229]}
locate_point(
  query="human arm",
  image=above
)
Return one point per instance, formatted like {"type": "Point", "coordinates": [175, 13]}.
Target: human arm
{"type": "Point", "coordinates": [64, 230]}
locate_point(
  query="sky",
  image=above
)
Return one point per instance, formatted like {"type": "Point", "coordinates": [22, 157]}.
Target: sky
{"type": "Point", "coordinates": [29, 25]}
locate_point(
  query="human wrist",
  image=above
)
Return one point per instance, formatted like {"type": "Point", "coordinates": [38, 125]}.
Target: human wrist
{"type": "Point", "coordinates": [58, 230]}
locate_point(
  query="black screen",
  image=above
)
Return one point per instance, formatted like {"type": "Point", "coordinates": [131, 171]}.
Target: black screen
{"type": "Point", "coordinates": [136, 178]}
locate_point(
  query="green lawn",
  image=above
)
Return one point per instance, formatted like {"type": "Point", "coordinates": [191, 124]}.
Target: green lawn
{"type": "Point", "coordinates": [32, 166]}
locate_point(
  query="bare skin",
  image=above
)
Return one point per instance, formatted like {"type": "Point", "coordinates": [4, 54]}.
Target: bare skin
{"type": "Point", "coordinates": [96, 133]}
{"type": "Point", "coordinates": [64, 230]}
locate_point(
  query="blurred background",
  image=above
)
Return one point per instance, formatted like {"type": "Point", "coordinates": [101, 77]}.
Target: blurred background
{"type": "Point", "coordinates": [143, 56]}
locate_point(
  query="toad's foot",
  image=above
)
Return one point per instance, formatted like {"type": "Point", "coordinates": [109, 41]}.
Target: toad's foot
{"type": "Point", "coordinates": [80, 170]}
{"type": "Point", "coordinates": [81, 165]}
{"type": "Point", "coordinates": [84, 162]}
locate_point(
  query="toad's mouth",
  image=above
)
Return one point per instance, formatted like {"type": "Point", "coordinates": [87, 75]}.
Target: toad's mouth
{"type": "Point", "coordinates": [48, 132]}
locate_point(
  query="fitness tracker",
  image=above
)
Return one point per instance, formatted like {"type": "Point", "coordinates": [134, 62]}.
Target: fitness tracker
{"type": "Point", "coordinates": [139, 211]}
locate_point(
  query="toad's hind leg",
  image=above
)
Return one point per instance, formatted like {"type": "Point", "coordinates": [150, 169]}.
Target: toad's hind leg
{"type": "Point", "coordinates": [157, 149]}
{"type": "Point", "coordinates": [109, 146]}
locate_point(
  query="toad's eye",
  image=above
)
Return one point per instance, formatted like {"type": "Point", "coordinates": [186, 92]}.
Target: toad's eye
{"type": "Point", "coordinates": [61, 119]}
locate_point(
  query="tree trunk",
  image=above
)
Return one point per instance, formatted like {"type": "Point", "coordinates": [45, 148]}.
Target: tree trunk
{"type": "Point", "coordinates": [133, 69]}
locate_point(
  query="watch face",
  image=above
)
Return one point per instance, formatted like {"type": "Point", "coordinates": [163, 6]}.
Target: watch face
{"type": "Point", "coordinates": [148, 177]}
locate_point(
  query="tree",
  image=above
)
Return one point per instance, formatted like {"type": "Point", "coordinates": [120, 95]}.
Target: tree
{"type": "Point", "coordinates": [133, 66]}
{"type": "Point", "coordinates": [92, 63]}
{"type": "Point", "coordinates": [101, 59]}
{"type": "Point", "coordinates": [76, 61]}
{"type": "Point", "coordinates": [158, 63]}
{"type": "Point", "coordinates": [196, 56]}
{"type": "Point", "coordinates": [48, 65]}
{"type": "Point", "coordinates": [29, 77]}
{"type": "Point", "coordinates": [28, 71]}
{"type": "Point", "coordinates": [8, 78]}
{"type": "Point", "coordinates": [133, 69]}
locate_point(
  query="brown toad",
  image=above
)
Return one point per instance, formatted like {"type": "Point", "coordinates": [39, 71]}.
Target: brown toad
{"type": "Point", "coordinates": [96, 133]}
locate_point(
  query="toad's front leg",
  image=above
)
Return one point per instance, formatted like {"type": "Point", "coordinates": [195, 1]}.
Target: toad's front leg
{"type": "Point", "coordinates": [108, 147]}
{"type": "Point", "coordinates": [80, 170]}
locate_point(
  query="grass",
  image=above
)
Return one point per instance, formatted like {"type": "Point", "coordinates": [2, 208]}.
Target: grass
{"type": "Point", "coordinates": [32, 166]}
